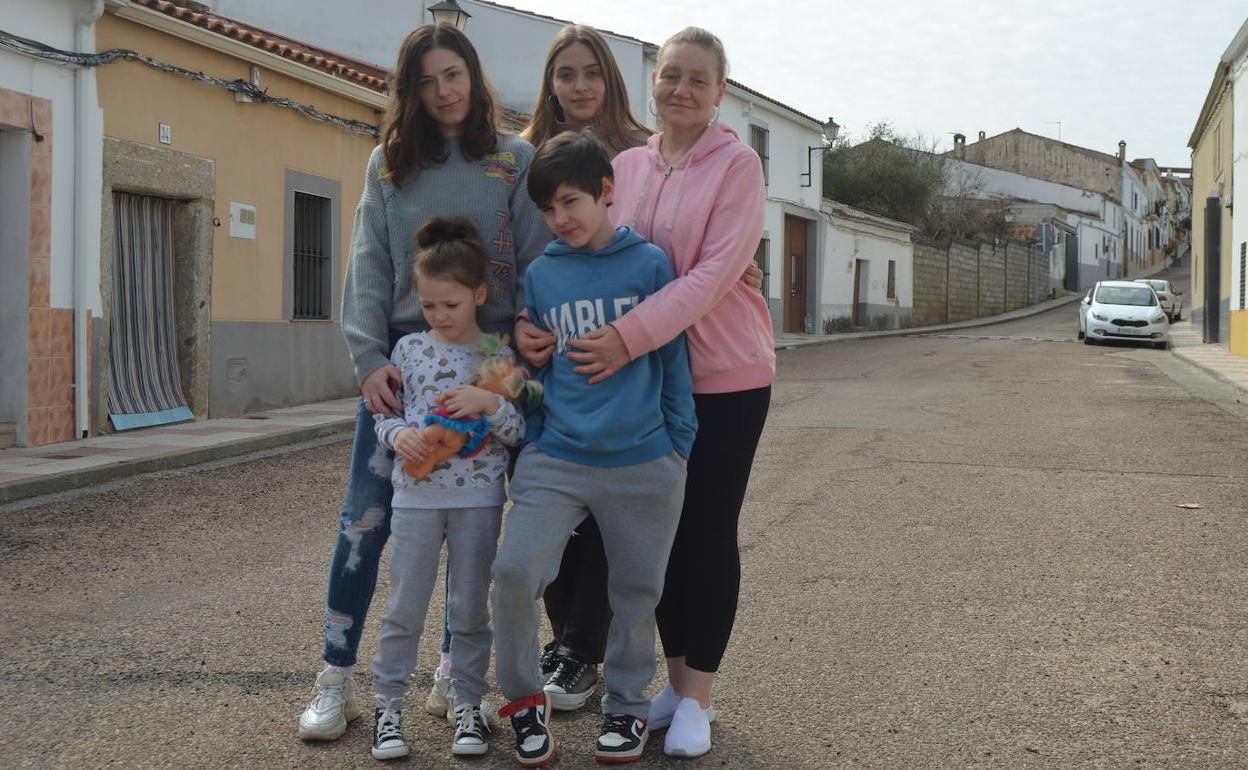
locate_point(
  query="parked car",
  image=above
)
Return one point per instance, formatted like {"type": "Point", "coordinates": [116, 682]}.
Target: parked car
{"type": "Point", "coordinates": [1083, 312]}
{"type": "Point", "coordinates": [1168, 296]}
{"type": "Point", "coordinates": [1123, 310]}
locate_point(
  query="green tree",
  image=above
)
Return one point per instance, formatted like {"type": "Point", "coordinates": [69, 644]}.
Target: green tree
{"type": "Point", "coordinates": [904, 178]}
{"type": "Point", "coordinates": [887, 174]}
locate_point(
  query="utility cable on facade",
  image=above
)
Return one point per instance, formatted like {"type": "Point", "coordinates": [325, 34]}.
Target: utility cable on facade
{"type": "Point", "coordinates": [43, 51]}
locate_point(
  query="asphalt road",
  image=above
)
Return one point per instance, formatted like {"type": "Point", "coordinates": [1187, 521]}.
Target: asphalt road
{"type": "Point", "coordinates": [961, 550]}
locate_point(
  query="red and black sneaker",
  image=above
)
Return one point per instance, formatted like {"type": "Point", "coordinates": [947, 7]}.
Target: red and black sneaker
{"type": "Point", "coordinates": [530, 718]}
{"type": "Point", "coordinates": [622, 739]}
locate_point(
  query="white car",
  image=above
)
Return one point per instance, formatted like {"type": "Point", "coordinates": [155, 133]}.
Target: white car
{"type": "Point", "coordinates": [1168, 296]}
{"type": "Point", "coordinates": [1123, 310]}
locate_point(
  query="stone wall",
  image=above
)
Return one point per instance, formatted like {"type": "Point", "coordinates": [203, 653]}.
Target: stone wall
{"type": "Point", "coordinates": [962, 280]}
{"type": "Point", "coordinates": [991, 279]}
{"type": "Point", "coordinates": [1017, 275]}
{"type": "Point", "coordinates": [931, 275]}
{"type": "Point", "coordinates": [963, 291]}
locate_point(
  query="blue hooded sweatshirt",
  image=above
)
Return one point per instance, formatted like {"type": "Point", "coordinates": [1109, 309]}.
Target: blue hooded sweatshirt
{"type": "Point", "coordinates": [643, 411]}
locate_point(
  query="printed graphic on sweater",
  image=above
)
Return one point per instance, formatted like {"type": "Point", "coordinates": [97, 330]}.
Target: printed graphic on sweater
{"type": "Point", "coordinates": [501, 165]}
{"type": "Point", "coordinates": [428, 369]}
{"type": "Point", "coordinates": [582, 316]}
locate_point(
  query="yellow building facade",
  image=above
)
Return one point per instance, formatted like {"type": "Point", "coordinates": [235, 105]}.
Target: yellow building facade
{"type": "Point", "coordinates": [1212, 188]}
{"type": "Point", "coordinates": [259, 197]}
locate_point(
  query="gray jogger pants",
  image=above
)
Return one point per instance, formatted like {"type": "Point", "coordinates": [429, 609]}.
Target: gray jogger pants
{"type": "Point", "coordinates": [416, 536]}
{"type": "Point", "coordinates": [637, 508]}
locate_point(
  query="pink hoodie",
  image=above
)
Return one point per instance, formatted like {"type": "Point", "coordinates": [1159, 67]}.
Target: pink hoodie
{"type": "Point", "coordinates": [706, 213]}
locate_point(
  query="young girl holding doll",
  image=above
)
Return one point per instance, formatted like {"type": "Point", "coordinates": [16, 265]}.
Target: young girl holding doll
{"type": "Point", "coordinates": [460, 500]}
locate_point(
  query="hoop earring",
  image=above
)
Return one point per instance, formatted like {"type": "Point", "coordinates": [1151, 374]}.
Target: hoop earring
{"type": "Point", "coordinates": [653, 107]}
{"type": "Point", "coordinates": [715, 117]}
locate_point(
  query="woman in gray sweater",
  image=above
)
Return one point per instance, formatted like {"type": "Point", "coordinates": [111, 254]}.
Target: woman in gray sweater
{"type": "Point", "coordinates": [440, 155]}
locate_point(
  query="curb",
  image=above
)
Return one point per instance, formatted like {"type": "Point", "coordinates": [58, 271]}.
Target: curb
{"type": "Point", "coordinates": [1209, 369]}
{"type": "Point", "coordinates": [63, 482]}
{"type": "Point", "coordinates": [1013, 315]}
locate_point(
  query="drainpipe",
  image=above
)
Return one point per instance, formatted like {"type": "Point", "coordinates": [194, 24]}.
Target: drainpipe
{"type": "Point", "coordinates": [86, 202]}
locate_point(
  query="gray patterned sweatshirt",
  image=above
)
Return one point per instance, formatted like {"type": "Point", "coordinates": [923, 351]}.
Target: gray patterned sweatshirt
{"type": "Point", "coordinates": [429, 369]}
{"type": "Point", "coordinates": [492, 192]}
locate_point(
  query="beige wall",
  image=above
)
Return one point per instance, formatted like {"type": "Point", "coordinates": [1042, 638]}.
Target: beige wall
{"type": "Point", "coordinates": [1211, 166]}
{"type": "Point", "coordinates": [251, 145]}
{"type": "Point", "coordinates": [1043, 158]}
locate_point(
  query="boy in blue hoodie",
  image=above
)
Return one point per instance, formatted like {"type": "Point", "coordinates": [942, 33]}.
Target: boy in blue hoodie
{"type": "Point", "coordinates": [614, 450]}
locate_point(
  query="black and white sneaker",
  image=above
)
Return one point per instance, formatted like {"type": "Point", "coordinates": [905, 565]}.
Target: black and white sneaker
{"type": "Point", "coordinates": [622, 739]}
{"type": "Point", "coordinates": [530, 718]}
{"type": "Point", "coordinates": [571, 684]}
{"type": "Point", "coordinates": [550, 658]}
{"type": "Point", "coordinates": [388, 740]}
{"type": "Point", "coordinates": [471, 731]}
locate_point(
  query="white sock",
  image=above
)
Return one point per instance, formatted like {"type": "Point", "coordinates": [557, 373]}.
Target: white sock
{"type": "Point", "coordinates": [444, 665]}
{"type": "Point", "coordinates": [344, 670]}
{"type": "Point", "coordinates": [690, 733]}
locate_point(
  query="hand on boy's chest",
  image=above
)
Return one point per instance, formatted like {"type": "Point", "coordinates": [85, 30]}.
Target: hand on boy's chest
{"type": "Point", "coordinates": [582, 306]}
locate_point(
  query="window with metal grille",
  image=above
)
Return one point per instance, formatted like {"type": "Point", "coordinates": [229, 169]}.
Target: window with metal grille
{"type": "Point", "coordinates": [892, 279]}
{"type": "Point", "coordinates": [760, 259]}
{"type": "Point", "coordinates": [312, 257]}
{"type": "Point", "coordinates": [760, 140]}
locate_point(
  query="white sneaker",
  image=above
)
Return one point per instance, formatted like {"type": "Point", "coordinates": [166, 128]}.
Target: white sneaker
{"type": "Point", "coordinates": [335, 704]}
{"type": "Point", "coordinates": [441, 701]}
{"type": "Point", "coordinates": [663, 708]}
{"type": "Point", "coordinates": [690, 732]}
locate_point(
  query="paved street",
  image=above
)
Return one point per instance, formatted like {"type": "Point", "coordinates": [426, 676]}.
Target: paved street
{"type": "Point", "coordinates": [959, 550]}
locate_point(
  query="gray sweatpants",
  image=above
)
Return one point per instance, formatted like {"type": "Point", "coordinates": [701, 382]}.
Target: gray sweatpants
{"type": "Point", "coordinates": [416, 536]}
{"type": "Point", "coordinates": [637, 508]}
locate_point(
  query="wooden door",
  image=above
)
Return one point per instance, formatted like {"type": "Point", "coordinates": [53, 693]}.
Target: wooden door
{"type": "Point", "coordinates": [795, 234]}
{"type": "Point", "coordinates": [858, 313]}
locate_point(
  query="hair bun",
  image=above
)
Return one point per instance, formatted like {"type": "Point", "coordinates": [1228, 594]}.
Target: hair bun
{"type": "Point", "coordinates": [445, 229]}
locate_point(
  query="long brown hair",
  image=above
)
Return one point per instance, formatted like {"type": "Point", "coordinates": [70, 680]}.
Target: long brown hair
{"type": "Point", "coordinates": [616, 126]}
{"type": "Point", "coordinates": [411, 139]}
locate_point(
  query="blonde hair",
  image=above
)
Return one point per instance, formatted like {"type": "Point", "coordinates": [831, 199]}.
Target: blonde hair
{"type": "Point", "coordinates": [704, 38]}
{"type": "Point", "coordinates": [616, 126]}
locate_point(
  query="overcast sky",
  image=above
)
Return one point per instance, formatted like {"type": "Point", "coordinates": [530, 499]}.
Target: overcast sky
{"type": "Point", "coordinates": [1107, 69]}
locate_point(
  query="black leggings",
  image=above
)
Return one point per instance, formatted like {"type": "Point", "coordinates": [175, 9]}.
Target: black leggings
{"type": "Point", "coordinates": [699, 603]}
{"type": "Point", "coordinates": [576, 602]}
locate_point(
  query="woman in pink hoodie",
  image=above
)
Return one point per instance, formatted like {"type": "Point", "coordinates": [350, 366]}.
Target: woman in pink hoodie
{"type": "Point", "coordinates": [697, 192]}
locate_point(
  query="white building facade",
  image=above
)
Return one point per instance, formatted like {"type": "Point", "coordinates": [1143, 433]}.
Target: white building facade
{"type": "Point", "coordinates": [51, 139]}
{"type": "Point", "coordinates": [1094, 220]}
{"type": "Point", "coordinates": [1237, 54]}
{"type": "Point", "coordinates": [868, 276]}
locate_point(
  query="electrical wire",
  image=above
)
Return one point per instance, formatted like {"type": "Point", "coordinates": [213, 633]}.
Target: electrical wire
{"type": "Point", "coordinates": [43, 51]}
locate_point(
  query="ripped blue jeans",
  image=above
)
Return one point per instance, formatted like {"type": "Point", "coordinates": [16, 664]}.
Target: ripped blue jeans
{"type": "Point", "coordinates": [363, 530]}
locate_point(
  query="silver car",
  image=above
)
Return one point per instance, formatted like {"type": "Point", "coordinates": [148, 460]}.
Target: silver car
{"type": "Point", "coordinates": [1168, 296]}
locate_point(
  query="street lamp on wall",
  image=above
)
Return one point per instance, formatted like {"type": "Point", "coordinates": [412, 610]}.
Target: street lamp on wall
{"type": "Point", "coordinates": [449, 11]}
{"type": "Point", "coordinates": [830, 131]}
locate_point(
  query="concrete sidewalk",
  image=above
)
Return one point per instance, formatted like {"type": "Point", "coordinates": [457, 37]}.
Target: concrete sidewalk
{"type": "Point", "coordinates": [61, 467]}
{"type": "Point", "coordinates": [1186, 344]}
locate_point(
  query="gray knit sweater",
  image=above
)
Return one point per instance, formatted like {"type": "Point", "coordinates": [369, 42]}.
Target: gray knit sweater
{"type": "Point", "coordinates": [492, 192]}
